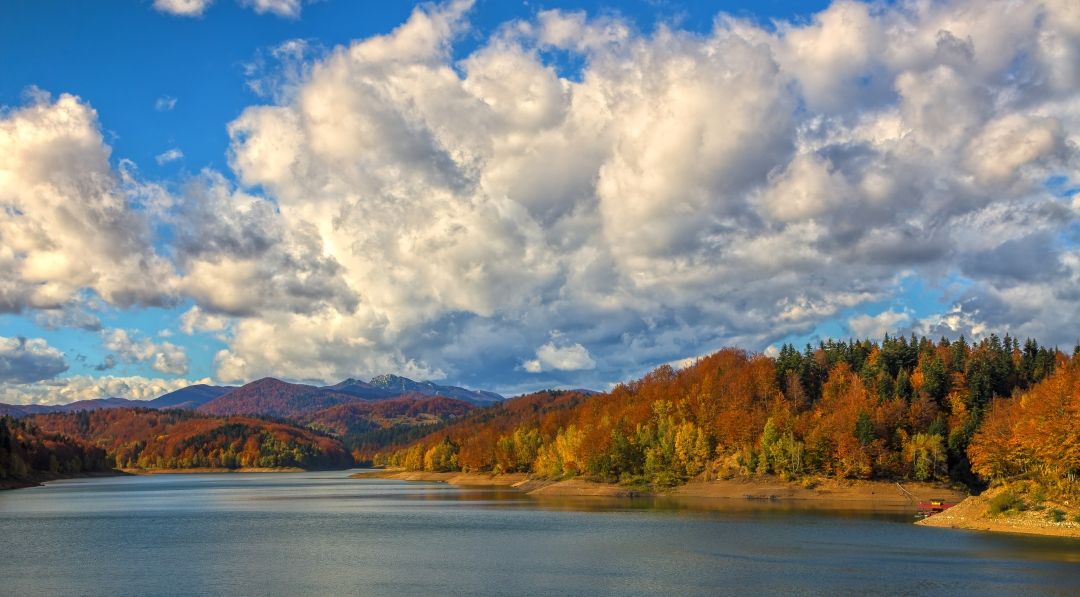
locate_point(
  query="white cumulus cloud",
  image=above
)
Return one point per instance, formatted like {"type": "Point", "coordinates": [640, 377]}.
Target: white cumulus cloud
{"type": "Point", "coordinates": [170, 155]}
{"type": "Point", "coordinates": [397, 207]}
{"type": "Point", "coordinates": [876, 326]}
{"type": "Point", "coordinates": [164, 357]}
{"type": "Point", "coordinates": [65, 222]}
{"type": "Point", "coordinates": [282, 8]}
{"type": "Point", "coordinates": [196, 320]}
{"type": "Point", "coordinates": [549, 357]}
{"type": "Point", "coordinates": [682, 190]}
{"type": "Point", "coordinates": [183, 8]}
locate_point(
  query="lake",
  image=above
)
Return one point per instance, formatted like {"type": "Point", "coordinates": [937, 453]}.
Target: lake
{"type": "Point", "coordinates": [321, 533]}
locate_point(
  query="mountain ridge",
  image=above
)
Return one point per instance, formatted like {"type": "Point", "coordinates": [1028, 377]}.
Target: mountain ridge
{"type": "Point", "coordinates": [195, 396]}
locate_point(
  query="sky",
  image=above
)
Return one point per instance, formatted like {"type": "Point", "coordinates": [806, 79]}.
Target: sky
{"type": "Point", "coordinates": [521, 195]}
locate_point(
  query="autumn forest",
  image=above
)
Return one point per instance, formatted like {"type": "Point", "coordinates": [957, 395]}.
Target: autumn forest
{"type": "Point", "coordinates": [904, 408]}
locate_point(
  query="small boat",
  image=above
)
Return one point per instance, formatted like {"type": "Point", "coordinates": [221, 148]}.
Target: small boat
{"type": "Point", "coordinates": [934, 506]}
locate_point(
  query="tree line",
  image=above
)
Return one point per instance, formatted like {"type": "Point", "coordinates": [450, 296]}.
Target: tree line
{"type": "Point", "coordinates": [178, 439]}
{"type": "Point", "coordinates": [901, 408]}
{"type": "Point", "coordinates": [29, 454]}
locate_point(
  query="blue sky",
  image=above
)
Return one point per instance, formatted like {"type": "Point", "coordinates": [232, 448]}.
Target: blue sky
{"type": "Point", "coordinates": [759, 183]}
{"type": "Point", "coordinates": [124, 56]}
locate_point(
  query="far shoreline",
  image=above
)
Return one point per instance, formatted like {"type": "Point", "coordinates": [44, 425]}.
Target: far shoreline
{"type": "Point", "coordinates": [969, 513]}
{"type": "Point", "coordinates": [825, 493]}
{"type": "Point", "coordinates": [41, 479]}
{"type": "Point", "coordinates": [215, 470]}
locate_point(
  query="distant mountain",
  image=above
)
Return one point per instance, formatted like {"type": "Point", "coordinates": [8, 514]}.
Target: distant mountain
{"type": "Point", "coordinates": [24, 410]}
{"type": "Point", "coordinates": [366, 415]}
{"type": "Point", "coordinates": [190, 397]}
{"type": "Point", "coordinates": [362, 389]}
{"type": "Point", "coordinates": [99, 404]}
{"type": "Point", "coordinates": [403, 385]}
{"type": "Point", "coordinates": [270, 397]}
{"type": "Point", "coordinates": [274, 398]}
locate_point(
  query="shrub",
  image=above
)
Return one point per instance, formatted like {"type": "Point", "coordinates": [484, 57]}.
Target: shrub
{"type": "Point", "coordinates": [1056, 515]}
{"type": "Point", "coordinates": [1004, 502]}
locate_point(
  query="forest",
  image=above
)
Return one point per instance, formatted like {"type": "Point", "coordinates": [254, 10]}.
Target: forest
{"type": "Point", "coordinates": [366, 426]}
{"type": "Point", "coordinates": [177, 439]}
{"type": "Point", "coordinates": [902, 408]}
{"type": "Point", "coordinates": [29, 454]}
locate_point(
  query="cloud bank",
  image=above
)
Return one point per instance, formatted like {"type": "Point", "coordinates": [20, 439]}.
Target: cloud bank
{"type": "Point", "coordinates": [502, 220]}
{"type": "Point", "coordinates": [85, 387]}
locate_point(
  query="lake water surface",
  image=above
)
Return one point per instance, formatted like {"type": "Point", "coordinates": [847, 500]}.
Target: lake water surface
{"type": "Point", "coordinates": [325, 534]}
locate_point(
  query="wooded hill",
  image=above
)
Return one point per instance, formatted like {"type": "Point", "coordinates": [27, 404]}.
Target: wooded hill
{"type": "Point", "coordinates": [29, 454]}
{"type": "Point", "coordinates": [904, 408]}
{"type": "Point", "coordinates": [367, 416]}
{"type": "Point", "coordinates": [177, 439]}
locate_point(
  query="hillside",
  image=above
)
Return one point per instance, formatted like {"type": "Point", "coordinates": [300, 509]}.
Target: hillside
{"type": "Point", "coordinates": [366, 417]}
{"type": "Point", "coordinates": [359, 417]}
{"type": "Point", "coordinates": [899, 409]}
{"type": "Point", "coordinates": [1033, 440]}
{"type": "Point", "coordinates": [190, 397]}
{"type": "Point", "coordinates": [367, 427]}
{"type": "Point", "coordinates": [30, 454]}
{"type": "Point", "coordinates": [274, 398]}
{"type": "Point", "coordinates": [402, 385]}
{"type": "Point", "coordinates": [173, 439]}
{"type": "Point", "coordinates": [269, 397]}
{"type": "Point", "coordinates": [362, 390]}
{"type": "Point", "coordinates": [21, 410]}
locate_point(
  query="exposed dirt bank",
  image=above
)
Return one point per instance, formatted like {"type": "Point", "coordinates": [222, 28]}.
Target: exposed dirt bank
{"type": "Point", "coordinates": [847, 494]}
{"type": "Point", "coordinates": [974, 514]}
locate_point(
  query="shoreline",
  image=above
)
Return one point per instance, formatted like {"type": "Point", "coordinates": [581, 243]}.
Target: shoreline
{"type": "Point", "coordinates": [972, 514]}
{"type": "Point", "coordinates": [212, 470]}
{"type": "Point", "coordinates": [828, 493]}
{"type": "Point", "coordinates": [969, 513]}
{"type": "Point", "coordinates": [39, 480]}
